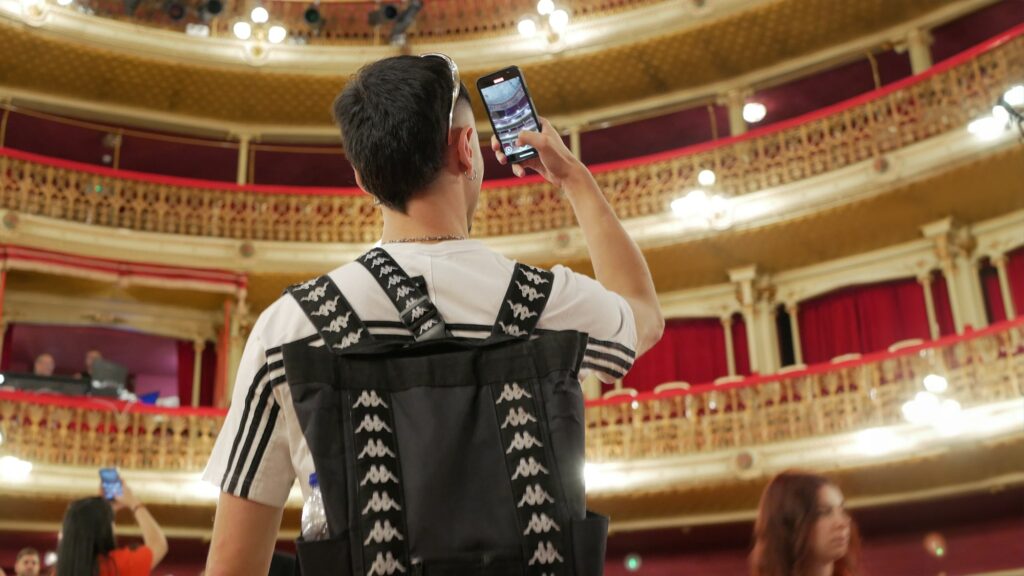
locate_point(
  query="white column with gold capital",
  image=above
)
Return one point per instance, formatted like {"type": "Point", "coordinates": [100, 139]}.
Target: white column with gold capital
{"type": "Point", "coordinates": [925, 280]}
{"type": "Point", "coordinates": [730, 352]}
{"type": "Point", "coordinates": [794, 329]}
{"type": "Point", "coordinates": [1004, 286]}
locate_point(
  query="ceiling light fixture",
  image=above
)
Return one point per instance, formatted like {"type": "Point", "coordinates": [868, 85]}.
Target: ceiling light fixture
{"type": "Point", "coordinates": [754, 112]}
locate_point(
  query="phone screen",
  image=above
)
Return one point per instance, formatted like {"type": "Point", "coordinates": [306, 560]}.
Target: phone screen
{"type": "Point", "coordinates": [111, 482]}
{"type": "Point", "coordinates": [510, 109]}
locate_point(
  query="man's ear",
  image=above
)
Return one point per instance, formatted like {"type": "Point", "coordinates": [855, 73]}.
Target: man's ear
{"type": "Point", "coordinates": [466, 149]}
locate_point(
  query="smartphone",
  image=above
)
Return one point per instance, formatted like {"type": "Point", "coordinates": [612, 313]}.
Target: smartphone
{"type": "Point", "coordinates": [510, 110]}
{"type": "Point", "coordinates": [111, 482]}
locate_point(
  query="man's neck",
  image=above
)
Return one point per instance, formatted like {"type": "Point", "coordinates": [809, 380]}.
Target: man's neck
{"type": "Point", "coordinates": [438, 213]}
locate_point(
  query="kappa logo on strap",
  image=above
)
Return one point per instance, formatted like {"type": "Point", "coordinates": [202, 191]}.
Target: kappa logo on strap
{"type": "Point", "coordinates": [377, 262]}
{"type": "Point", "coordinates": [350, 339]}
{"type": "Point", "coordinates": [369, 399]}
{"type": "Point", "coordinates": [523, 441]}
{"type": "Point", "coordinates": [545, 554]}
{"type": "Point", "coordinates": [372, 424]}
{"type": "Point", "coordinates": [535, 277]}
{"type": "Point", "coordinates": [517, 417]}
{"type": "Point", "coordinates": [386, 270]}
{"type": "Point", "coordinates": [512, 329]}
{"type": "Point", "coordinates": [535, 496]}
{"type": "Point", "coordinates": [521, 311]}
{"type": "Point", "coordinates": [376, 449]}
{"type": "Point", "coordinates": [512, 392]}
{"type": "Point", "coordinates": [417, 312]}
{"type": "Point", "coordinates": [316, 293]}
{"type": "Point", "coordinates": [378, 475]}
{"type": "Point", "coordinates": [385, 565]}
{"type": "Point", "coordinates": [382, 532]}
{"type": "Point", "coordinates": [329, 307]}
{"type": "Point", "coordinates": [338, 324]}
{"type": "Point", "coordinates": [529, 292]}
{"type": "Point", "coordinates": [394, 280]}
{"type": "Point", "coordinates": [428, 325]}
{"type": "Point", "coordinates": [307, 284]}
{"type": "Point", "coordinates": [541, 524]}
{"type": "Point", "coordinates": [528, 468]}
{"type": "Point", "coordinates": [374, 255]}
{"type": "Point", "coordinates": [381, 502]}
{"type": "Point", "coordinates": [404, 291]}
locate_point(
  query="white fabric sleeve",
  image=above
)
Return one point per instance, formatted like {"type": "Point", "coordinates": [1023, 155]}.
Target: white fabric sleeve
{"type": "Point", "coordinates": [251, 458]}
{"type": "Point", "coordinates": [581, 303]}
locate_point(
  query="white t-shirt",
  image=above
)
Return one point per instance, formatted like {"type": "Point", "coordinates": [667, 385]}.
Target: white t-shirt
{"type": "Point", "coordinates": [261, 450]}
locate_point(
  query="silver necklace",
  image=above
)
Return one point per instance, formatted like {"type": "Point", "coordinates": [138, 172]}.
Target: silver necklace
{"type": "Point", "coordinates": [426, 239]}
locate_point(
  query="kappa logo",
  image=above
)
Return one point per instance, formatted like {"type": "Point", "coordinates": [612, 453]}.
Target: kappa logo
{"type": "Point", "coordinates": [529, 292]}
{"type": "Point", "coordinates": [417, 312]}
{"type": "Point", "coordinates": [375, 449]}
{"type": "Point", "coordinates": [512, 392]}
{"type": "Point", "coordinates": [535, 496]}
{"type": "Point", "coordinates": [394, 280]}
{"type": "Point", "coordinates": [541, 524]}
{"type": "Point", "coordinates": [350, 339]}
{"type": "Point", "coordinates": [545, 554]}
{"type": "Point", "coordinates": [382, 532]}
{"type": "Point", "coordinates": [535, 277]}
{"type": "Point", "coordinates": [404, 291]}
{"type": "Point", "coordinates": [378, 475]}
{"type": "Point", "coordinates": [385, 565]}
{"type": "Point", "coordinates": [521, 311]}
{"type": "Point", "coordinates": [512, 330]}
{"type": "Point", "coordinates": [329, 307]}
{"type": "Point", "coordinates": [517, 417]}
{"type": "Point", "coordinates": [386, 270]}
{"type": "Point", "coordinates": [307, 284]}
{"type": "Point", "coordinates": [372, 424]}
{"type": "Point", "coordinates": [372, 254]}
{"type": "Point", "coordinates": [380, 502]}
{"type": "Point", "coordinates": [427, 326]}
{"type": "Point", "coordinates": [523, 441]}
{"type": "Point", "coordinates": [369, 399]}
{"type": "Point", "coordinates": [377, 262]}
{"type": "Point", "coordinates": [528, 468]}
{"type": "Point", "coordinates": [316, 293]}
{"type": "Point", "coordinates": [339, 323]}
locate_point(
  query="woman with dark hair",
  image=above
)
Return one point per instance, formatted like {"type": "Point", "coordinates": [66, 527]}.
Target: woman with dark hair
{"type": "Point", "coordinates": [88, 546]}
{"type": "Point", "coordinates": [803, 529]}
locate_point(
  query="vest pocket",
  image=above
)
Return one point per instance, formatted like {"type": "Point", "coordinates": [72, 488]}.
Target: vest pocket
{"type": "Point", "coordinates": [325, 557]}
{"type": "Point", "coordinates": [588, 544]}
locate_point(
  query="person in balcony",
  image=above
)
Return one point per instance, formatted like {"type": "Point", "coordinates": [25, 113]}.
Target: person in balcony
{"type": "Point", "coordinates": [27, 563]}
{"type": "Point", "coordinates": [803, 529]}
{"type": "Point", "coordinates": [88, 545]}
{"type": "Point", "coordinates": [90, 358]}
{"type": "Point", "coordinates": [44, 365]}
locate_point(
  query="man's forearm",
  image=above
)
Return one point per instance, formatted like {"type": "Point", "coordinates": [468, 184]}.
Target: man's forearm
{"type": "Point", "coordinates": [618, 263]}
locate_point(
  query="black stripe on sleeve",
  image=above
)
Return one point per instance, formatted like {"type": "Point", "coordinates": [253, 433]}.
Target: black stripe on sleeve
{"type": "Point", "coordinates": [603, 369]}
{"type": "Point", "coordinates": [250, 437]}
{"type": "Point", "coordinates": [615, 345]}
{"type": "Point", "coordinates": [618, 361]}
{"type": "Point", "coordinates": [256, 381]}
{"type": "Point", "coordinates": [268, 432]}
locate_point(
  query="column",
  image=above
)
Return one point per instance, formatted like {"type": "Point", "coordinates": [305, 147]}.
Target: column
{"type": "Point", "coordinates": [220, 390]}
{"type": "Point", "coordinates": [794, 329]}
{"type": "Point", "coordinates": [734, 101]}
{"type": "Point", "coordinates": [919, 48]}
{"type": "Point", "coordinates": [941, 233]}
{"type": "Point", "coordinates": [1004, 287]}
{"type": "Point", "coordinates": [574, 142]}
{"type": "Point", "coordinates": [969, 269]}
{"type": "Point", "coordinates": [925, 280]}
{"type": "Point", "coordinates": [767, 336]}
{"type": "Point", "coordinates": [242, 176]}
{"type": "Point", "coordinates": [744, 280]}
{"type": "Point", "coordinates": [730, 353]}
{"type": "Point", "coordinates": [3, 292]}
{"type": "Point", "coordinates": [198, 345]}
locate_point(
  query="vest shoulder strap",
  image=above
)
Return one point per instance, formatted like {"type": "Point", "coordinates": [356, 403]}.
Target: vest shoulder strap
{"type": "Point", "coordinates": [527, 296]}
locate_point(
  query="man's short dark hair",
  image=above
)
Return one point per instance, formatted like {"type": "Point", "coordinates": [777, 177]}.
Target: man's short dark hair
{"type": "Point", "coordinates": [26, 552]}
{"type": "Point", "coordinates": [392, 116]}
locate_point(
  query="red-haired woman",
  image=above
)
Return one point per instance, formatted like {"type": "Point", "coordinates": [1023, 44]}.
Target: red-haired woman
{"type": "Point", "coordinates": [803, 529]}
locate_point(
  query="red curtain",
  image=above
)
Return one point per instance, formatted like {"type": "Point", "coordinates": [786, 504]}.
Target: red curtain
{"type": "Point", "coordinates": [209, 374]}
{"type": "Point", "coordinates": [691, 349]}
{"type": "Point", "coordinates": [739, 345]}
{"type": "Point", "coordinates": [993, 293]}
{"type": "Point", "coordinates": [943, 306]}
{"type": "Point", "coordinates": [862, 319]}
{"type": "Point", "coordinates": [186, 364]}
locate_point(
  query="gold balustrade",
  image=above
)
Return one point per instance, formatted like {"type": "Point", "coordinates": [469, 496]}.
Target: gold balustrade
{"type": "Point", "coordinates": [938, 102]}
{"type": "Point", "coordinates": [982, 368]}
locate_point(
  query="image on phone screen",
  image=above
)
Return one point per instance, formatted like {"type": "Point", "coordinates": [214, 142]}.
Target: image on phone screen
{"type": "Point", "coordinates": [510, 110]}
{"type": "Point", "coordinates": [111, 482]}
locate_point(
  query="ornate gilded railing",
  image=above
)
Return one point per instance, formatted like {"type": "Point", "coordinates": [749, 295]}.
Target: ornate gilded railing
{"type": "Point", "coordinates": [981, 367]}
{"type": "Point", "coordinates": [941, 100]}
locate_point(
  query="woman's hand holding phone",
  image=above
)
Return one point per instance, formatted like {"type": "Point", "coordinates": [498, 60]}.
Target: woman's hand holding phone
{"type": "Point", "coordinates": [126, 501]}
{"type": "Point", "coordinates": [554, 161]}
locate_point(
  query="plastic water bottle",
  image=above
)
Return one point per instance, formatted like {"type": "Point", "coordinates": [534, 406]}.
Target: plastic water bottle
{"type": "Point", "coordinates": [314, 518]}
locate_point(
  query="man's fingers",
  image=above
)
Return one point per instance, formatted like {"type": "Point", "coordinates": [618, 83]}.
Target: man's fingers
{"type": "Point", "coordinates": [531, 138]}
